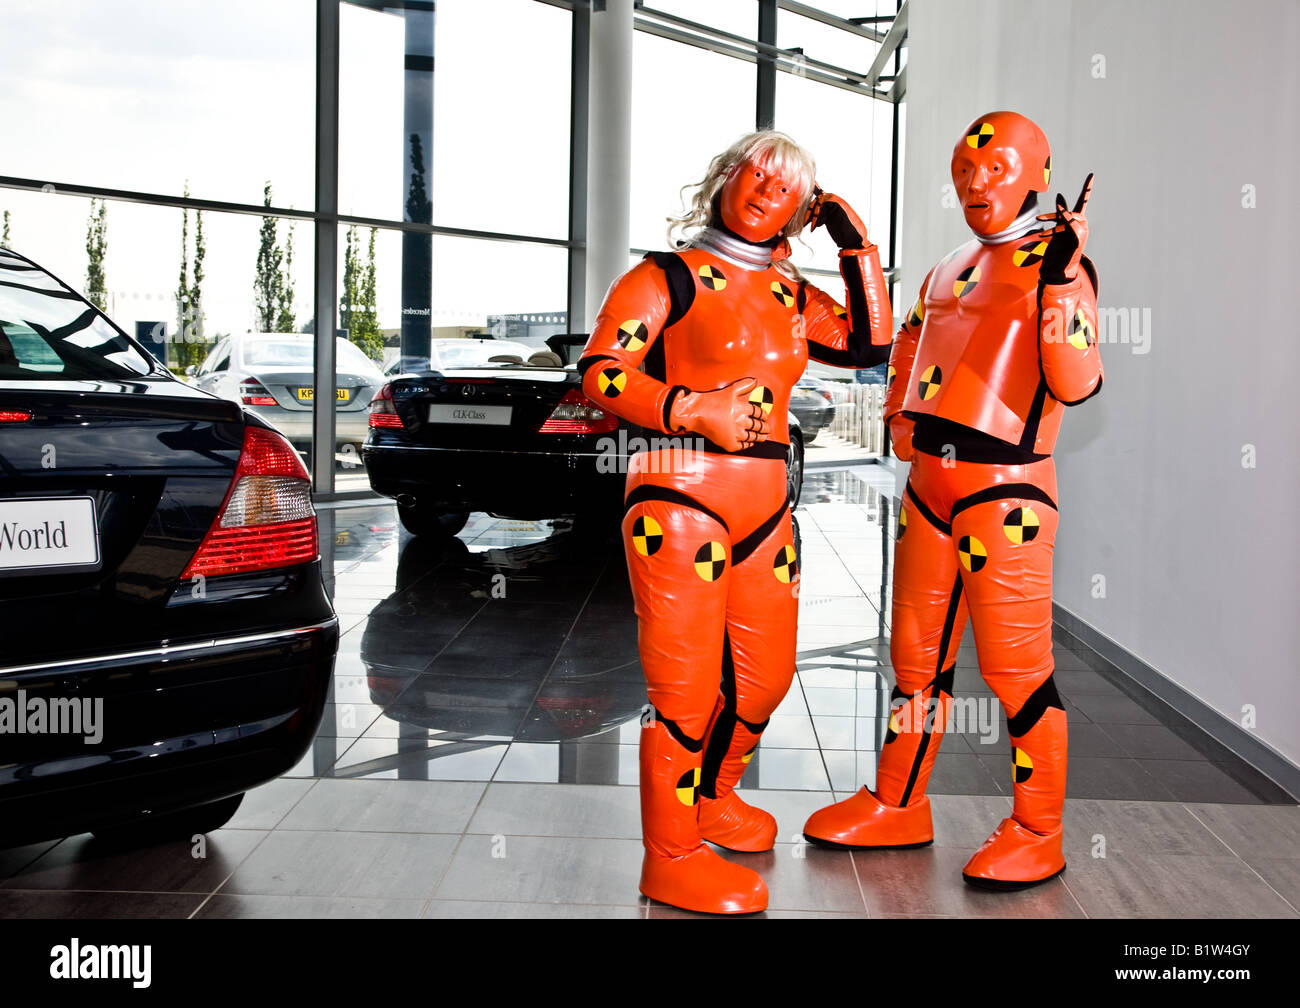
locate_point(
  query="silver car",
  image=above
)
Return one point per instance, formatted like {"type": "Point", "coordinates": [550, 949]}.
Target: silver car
{"type": "Point", "coordinates": [271, 375]}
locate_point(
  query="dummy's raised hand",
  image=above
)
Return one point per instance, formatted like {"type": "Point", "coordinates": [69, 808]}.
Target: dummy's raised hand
{"type": "Point", "coordinates": [841, 222]}
{"type": "Point", "coordinates": [1065, 238]}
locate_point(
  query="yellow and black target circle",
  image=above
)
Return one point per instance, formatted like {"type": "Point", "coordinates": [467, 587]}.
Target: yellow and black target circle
{"type": "Point", "coordinates": [632, 335]}
{"type": "Point", "coordinates": [979, 136]}
{"type": "Point", "coordinates": [1080, 335]}
{"type": "Point", "coordinates": [688, 787]}
{"type": "Point", "coordinates": [782, 293]}
{"type": "Point", "coordinates": [902, 522]}
{"type": "Point", "coordinates": [917, 315]}
{"type": "Point", "coordinates": [1021, 525]}
{"type": "Point", "coordinates": [712, 277]}
{"type": "Point", "coordinates": [931, 379]}
{"type": "Point", "coordinates": [1030, 253]}
{"type": "Point", "coordinates": [748, 756]}
{"type": "Point", "coordinates": [785, 566]}
{"type": "Point", "coordinates": [971, 553]}
{"type": "Point", "coordinates": [895, 727]}
{"type": "Point", "coordinates": [966, 281]}
{"type": "Point", "coordinates": [711, 561]}
{"type": "Point", "coordinates": [647, 535]}
{"type": "Point", "coordinates": [762, 397]}
{"type": "Point", "coordinates": [1047, 170]}
{"type": "Point", "coordinates": [890, 375]}
{"type": "Point", "coordinates": [611, 381]}
{"type": "Point", "coordinates": [838, 310]}
{"type": "Point", "coordinates": [1022, 767]}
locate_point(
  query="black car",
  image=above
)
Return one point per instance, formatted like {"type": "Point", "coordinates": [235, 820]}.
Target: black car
{"type": "Point", "coordinates": [168, 639]}
{"type": "Point", "coordinates": [504, 428]}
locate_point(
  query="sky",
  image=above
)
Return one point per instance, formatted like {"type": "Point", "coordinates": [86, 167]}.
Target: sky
{"type": "Point", "coordinates": [157, 94]}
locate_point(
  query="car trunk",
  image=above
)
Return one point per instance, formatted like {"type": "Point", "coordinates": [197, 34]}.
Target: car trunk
{"type": "Point", "coordinates": [143, 468]}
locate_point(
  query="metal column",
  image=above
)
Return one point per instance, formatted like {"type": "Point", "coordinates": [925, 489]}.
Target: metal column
{"type": "Point", "coordinates": [327, 242]}
{"type": "Point", "coordinates": [609, 155]}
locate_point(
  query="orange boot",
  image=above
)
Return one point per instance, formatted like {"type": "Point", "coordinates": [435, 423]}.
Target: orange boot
{"type": "Point", "coordinates": [678, 868]}
{"type": "Point", "coordinates": [897, 813]}
{"type": "Point", "coordinates": [1026, 849]}
{"type": "Point", "coordinates": [724, 818]}
{"type": "Point", "coordinates": [864, 821]}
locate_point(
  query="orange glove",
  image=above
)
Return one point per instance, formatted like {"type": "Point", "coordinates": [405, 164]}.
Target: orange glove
{"type": "Point", "coordinates": [725, 416]}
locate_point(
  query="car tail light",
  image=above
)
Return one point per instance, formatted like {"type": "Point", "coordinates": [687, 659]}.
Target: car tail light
{"type": "Point", "coordinates": [576, 414]}
{"type": "Point", "coordinates": [382, 411]}
{"type": "Point", "coordinates": [826, 394]}
{"type": "Point", "coordinates": [266, 520]}
{"type": "Point", "coordinates": [253, 393]}
{"type": "Point", "coordinates": [14, 416]}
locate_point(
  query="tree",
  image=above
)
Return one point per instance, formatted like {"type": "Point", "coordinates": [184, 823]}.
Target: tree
{"type": "Point", "coordinates": [365, 323]}
{"type": "Point", "coordinates": [418, 206]}
{"type": "Point", "coordinates": [190, 343]}
{"type": "Point", "coordinates": [96, 249]}
{"type": "Point", "coordinates": [357, 311]}
{"type": "Point", "coordinates": [284, 320]}
{"type": "Point", "coordinates": [273, 281]}
{"type": "Point", "coordinates": [4, 236]}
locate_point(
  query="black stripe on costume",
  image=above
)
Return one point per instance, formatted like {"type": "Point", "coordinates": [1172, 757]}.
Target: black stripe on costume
{"type": "Point", "coordinates": [724, 725]}
{"type": "Point", "coordinates": [801, 296]}
{"type": "Point", "coordinates": [587, 362]}
{"type": "Point", "coordinates": [1001, 492]}
{"type": "Point", "coordinates": [754, 729]}
{"type": "Point", "coordinates": [681, 285]}
{"type": "Point", "coordinates": [945, 439]}
{"type": "Point", "coordinates": [860, 352]}
{"type": "Point", "coordinates": [1030, 435]}
{"type": "Point", "coordinates": [941, 676]}
{"type": "Point", "coordinates": [930, 516]}
{"type": "Point", "coordinates": [763, 449]}
{"type": "Point", "coordinates": [646, 492]}
{"type": "Point", "coordinates": [943, 681]}
{"type": "Point", "coordinates": [684, 740]}
{"type": "Point", "coordinates": [741, 551]}
{"type": "Point", "coordinates": [1037, 704]}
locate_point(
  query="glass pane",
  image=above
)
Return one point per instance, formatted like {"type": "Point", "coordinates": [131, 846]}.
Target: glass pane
{"type": "Point", "coordinates": [825, 42]}
{"type": "Point", "coordinates": [673, 139]}
{"type": "Point", "coordinates": [848, 136]}
{"type": "Point", "coordinates": [500, 157]}
{"type": "Point", "coordinates": [147, 95]}
{"type": "Point", "coordinates": [740, 17]}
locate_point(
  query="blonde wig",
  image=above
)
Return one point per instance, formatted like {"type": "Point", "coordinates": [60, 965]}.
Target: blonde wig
{"type": "Point", "coordinates": [772, 150]}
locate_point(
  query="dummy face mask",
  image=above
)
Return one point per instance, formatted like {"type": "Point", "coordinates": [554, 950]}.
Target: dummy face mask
{"type": "Point", "coordinates": [998, 162]}
{"type": "Point", "coordinates": [756, 202]}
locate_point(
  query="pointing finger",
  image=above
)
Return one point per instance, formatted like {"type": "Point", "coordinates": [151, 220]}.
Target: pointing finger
{"type": "Point", "coordinates": [1084, 194]}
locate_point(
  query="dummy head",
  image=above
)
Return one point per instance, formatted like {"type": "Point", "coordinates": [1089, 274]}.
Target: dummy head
{"type": "Point", "coordinates": [1001, 159]}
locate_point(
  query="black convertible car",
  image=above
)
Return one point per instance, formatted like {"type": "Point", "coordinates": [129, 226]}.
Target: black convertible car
{"type": "Point", "coordinates": [504, 428]}
{"type": "Point", "coordinates": [168, 642]}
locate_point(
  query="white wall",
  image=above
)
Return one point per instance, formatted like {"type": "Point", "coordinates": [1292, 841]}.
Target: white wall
{"type": "Point", "coordinates": [1199, 554]}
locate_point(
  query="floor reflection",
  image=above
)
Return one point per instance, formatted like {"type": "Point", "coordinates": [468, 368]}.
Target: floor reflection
{"type": "Point", "coordinates": [509, 654]}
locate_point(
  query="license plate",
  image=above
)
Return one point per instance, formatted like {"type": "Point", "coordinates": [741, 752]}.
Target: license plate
{"type": "Point", "coordinates": [47, 533]}
{"type": "Point", "coordinates": [307, 395]}
{"type": "Point", "coordinates": [495, 416]}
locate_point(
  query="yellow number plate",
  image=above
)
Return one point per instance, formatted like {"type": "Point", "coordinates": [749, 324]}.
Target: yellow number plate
{"type": "Point", "coordinates": [307, 395]}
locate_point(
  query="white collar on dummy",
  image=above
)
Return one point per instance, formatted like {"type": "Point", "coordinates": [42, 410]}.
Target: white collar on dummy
{"type": "Point", "coordinates": [733, 248]}
{"type": "Point", "coordinates": [1021, 226]}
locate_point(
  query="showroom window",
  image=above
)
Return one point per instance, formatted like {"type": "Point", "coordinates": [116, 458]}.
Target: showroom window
{"type": "Point", "coordinates": [193, 142]}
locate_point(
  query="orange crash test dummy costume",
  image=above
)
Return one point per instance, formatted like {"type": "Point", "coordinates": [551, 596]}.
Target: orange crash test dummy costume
{"type": "Point", "coordinates": [1002, 338]}
{"type": "Point", "coordinates": [704, 344]}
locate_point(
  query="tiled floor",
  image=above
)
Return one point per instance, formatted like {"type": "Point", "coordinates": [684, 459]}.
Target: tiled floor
{"type": "Point", "coordinates": [478, 758]}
